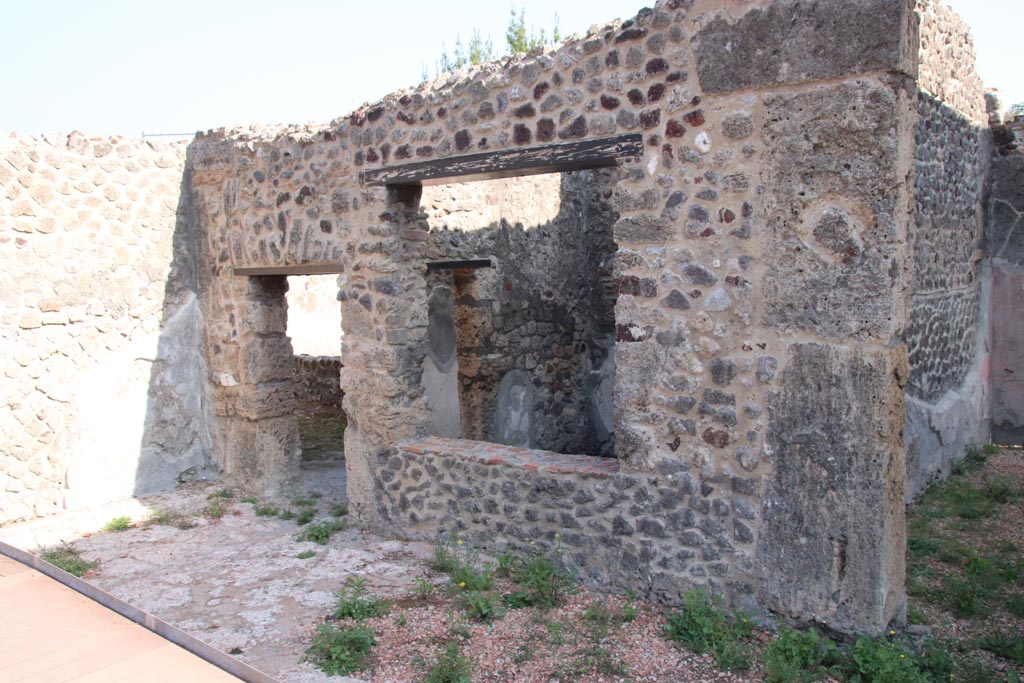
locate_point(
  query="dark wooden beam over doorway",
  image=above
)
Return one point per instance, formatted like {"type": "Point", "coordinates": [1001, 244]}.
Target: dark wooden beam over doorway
{"type": "Point", "coordinates": [554, 158]}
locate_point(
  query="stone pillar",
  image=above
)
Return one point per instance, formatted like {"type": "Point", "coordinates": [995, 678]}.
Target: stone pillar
{"type": "Point", "coordinates": [254, 397]}
{"type": "Point", "coordinates": [835, 195]}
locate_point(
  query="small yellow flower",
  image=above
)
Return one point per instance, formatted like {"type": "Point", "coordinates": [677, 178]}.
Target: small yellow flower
{"type": "Point", "coordinates": [902, 656]}
{"type": "Point", "coordinates": [892, 633]}
{"type": "Point", "coordinates": [557, 536]}
{"type": "Point", "coordinates": [459, 542]}
{"type": "Point", "coordinates": [462, 584]}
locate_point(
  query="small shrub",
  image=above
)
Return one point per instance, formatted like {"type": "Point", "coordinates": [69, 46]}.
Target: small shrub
{"type": "Point", "coordinates": [877, 660]}
{"type": "Point", "coordinates": [305, 516]}
{"type": "Point", "coordinates": [1007, 647]}
{"type": "Point", "coordinates": [170, 518]}
{"type": "Point", "coordinates": [1015, 605]}
{"type": "Point", "coordinates": [340, 651]}
{"type": "Point", "coordinates": [799, 656]}
{"type": "Point", "coordinates": [461, 564]}
{"type": "Point", "coordinates": [339, 510]}
{"type": "Point", "coordinates": [602, 618]}
{"type": "Point", "coordinates": [481, 606]}
{"type": "Point", "coordinates": [990, 449]}
{"type": "Point", "coordinates": [355, 604]}
{"type": "Point", "coordinates": [320, 532]}
{"type": "Point", "coordinates": [543, 583]}
{"type": "Point", "coordinates": [422, 588]}
{"type": "Point", "coordinates": [506, 562]}
{"type": "Point", "coordinates": [974, 459]}
{"type": "Point", "coordinates": [935, 661]}
{"type": "Point", "coordinates": [445, 559]}
{"type": "Point", "coordinates": [67, 558]}
{"type": "Point", "coordinates": [250, 499]}
{"type": "Point", "coordinates": [120, 523]}
{"type": "Point", "coordinates": [215, 510]}
{"type": "Point", "coordinates": [303, 502]}
{"type": "Point", "coordinates": [222, 494]}
{"type": "Point", "coordinates": [702, 627]}
{"type": "Point", "coordinates": [965, 598]}
{"type": "Point", "coordinates": [915, 615]}
{"type": "Point", "coordinates": [287, 515]}
{"type": "Point", "coordinates": [306, 554]}
{"type": "Point", "coordinates": [451, 666]}
{"type": "Point", "coordinates": [268, 510]}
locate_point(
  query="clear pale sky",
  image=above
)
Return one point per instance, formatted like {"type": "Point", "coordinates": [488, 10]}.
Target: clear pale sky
{"type": "Point", "coordinates": [128, 67]}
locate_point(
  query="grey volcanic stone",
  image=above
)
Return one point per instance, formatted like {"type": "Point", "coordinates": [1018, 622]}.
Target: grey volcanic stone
{"type": "Point", "coordinates": [822, 40]}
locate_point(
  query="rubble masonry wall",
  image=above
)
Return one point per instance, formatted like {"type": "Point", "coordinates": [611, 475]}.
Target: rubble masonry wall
{"type": "Point", "coordinates": [762, 268]}
{"type": "Point", "coordinates": [103, 388]}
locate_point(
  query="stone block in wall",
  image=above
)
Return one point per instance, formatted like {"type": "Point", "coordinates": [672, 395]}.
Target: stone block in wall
{"type": "Point", "coordinates": [267, 359]}
{"type": "Point", "coordinates": [791, 42]}
{"type": "Point", "coordinates": [832, 540]}
{"type": "Point", "coordinates": [835, 208]}
{"type": "Point", "coordinates": [262, 456]}
{"type": "Point", "coordinates": [271, 399]}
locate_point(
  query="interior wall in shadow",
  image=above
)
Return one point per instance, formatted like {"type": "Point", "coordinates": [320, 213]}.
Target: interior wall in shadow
{"type": "Point", "coordinates": [544, 310]}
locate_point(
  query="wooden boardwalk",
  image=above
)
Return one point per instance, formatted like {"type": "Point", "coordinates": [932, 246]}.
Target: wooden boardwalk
{"type": "Point", "coordinates": [49, 632]}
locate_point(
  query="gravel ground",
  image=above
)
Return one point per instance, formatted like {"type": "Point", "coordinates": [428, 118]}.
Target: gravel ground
{"type": "Point", "coordinates": [236, 582]}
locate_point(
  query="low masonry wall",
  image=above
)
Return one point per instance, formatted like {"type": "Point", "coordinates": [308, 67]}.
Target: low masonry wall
{"type": "Point", "coordinates": [664, 530]}
{"type": "Point", "coordinates": [316, 381]}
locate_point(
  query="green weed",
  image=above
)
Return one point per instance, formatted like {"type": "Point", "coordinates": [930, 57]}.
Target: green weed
{"type": "Point", "coordinates": [461, 564]}
{"type": "Point", "coordinates": [67, 558]}
{"type": "Point", "coordinates": [542, 582]}
{"type": "Point", "coordinates": [268, 510]}
{"type": "Point", "coordinates": [306, 554]}
{"type": "Point", "coordinates": [120, 523]}
{"type": "Point", "coordinates": [250, 499]}
{"type": "Point", "coordinates": [797, 656]}
{"type": "Point", "coordinates": [973, 460]}
{"type": "Point", "coordinates": [215, 510]}
{"type": "Point", "coordinates": [340, 651]}
{"type": "Point", "coordinates": [170, 518]}
{"type": "Point", "coordinates": [320, 532]}
{"type": "Point", "coordinates": [355, 604]}
{"type": "Point", "coordinates": [339, 510]}
{"type": "Point", "coordinates": [1007, 647]}
{"type": "Point", "coordinates": [451, 666]}
{"type": "Point", "coordinates": [303, 502]}
{"type": "Point", "coordinates": [878, 660]}
{"type": "Point", "coordinates": [221, 494]}
{"type": "Point", "coordinates": [305, 516]}
{"type": "Point", "coordinates": [481, 606]}
{"type": "Point", "coordinates": [422, 588]}
{"type": "Point", "coordinates": [701, 626]}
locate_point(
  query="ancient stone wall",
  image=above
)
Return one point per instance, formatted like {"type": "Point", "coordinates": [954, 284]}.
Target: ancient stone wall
{"type": "Point", "coordinates": [946, 335]}
{"type": "Point", "coordinates": [316, 381]}
{"type": "Point", "coordinates": [761, 267]}
{"type": "Point", "coordinates": [1005, 251]}
{"type": "Point", "coordinates": [103, 388]}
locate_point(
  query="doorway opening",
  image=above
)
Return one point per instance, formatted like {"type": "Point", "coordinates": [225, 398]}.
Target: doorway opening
{"type": "Point", "coordinates": [314, 326]}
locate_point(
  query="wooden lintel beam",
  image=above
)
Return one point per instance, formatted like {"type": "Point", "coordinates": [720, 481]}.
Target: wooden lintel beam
{"type": "Point", "coordinates": [308, 269]}
{"type": "Point", "coordinates": [554, 158]}
{"type": "Point", "coordinates": [453, 265]}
